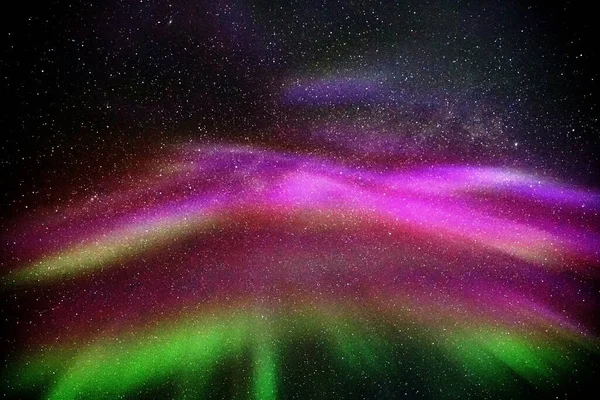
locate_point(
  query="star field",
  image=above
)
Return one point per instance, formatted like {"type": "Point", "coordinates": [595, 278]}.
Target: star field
{"type": "Point", "coordinates": [298, 200]}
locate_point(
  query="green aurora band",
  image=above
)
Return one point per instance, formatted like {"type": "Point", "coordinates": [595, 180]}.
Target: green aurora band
{"type": "Point", "coordinates": [253, 345]}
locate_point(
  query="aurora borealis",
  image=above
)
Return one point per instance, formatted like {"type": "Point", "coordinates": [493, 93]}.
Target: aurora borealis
{"type": "Point", "coordinates": [289, 200]}
{"type": "Point", "coordinates": [230, 256]}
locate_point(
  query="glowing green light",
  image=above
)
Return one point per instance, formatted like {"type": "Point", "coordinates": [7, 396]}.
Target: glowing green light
{"type": "Point", "coordinates": [120, 245]}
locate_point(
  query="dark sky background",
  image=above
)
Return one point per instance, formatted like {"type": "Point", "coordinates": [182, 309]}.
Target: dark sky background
{"type": "Point", "coordinates": [94, 91]}
{"type": "Point", "coordinates": [90, 88]}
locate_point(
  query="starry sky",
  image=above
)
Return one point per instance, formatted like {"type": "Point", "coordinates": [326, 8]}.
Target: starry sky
{"type": "Point", "coordinates": [299, 199]}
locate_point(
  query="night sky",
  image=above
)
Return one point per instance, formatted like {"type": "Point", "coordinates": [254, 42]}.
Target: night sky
{"type": "Point", "coordinates": [299, 199]}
